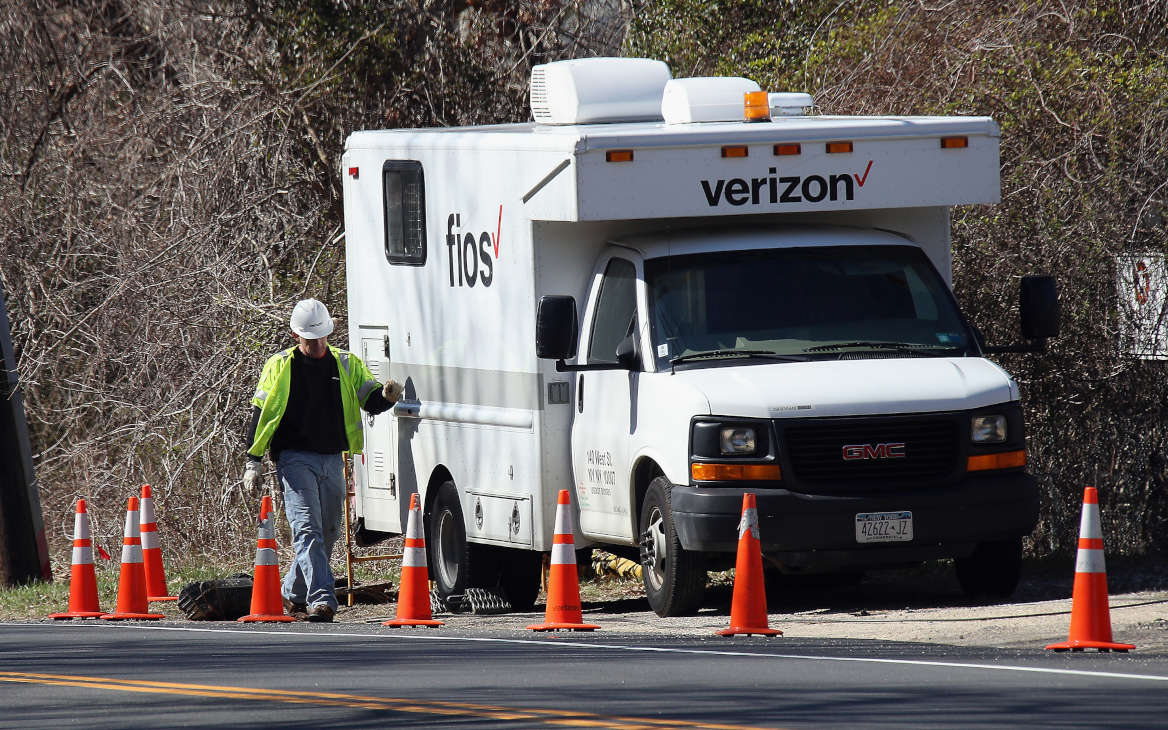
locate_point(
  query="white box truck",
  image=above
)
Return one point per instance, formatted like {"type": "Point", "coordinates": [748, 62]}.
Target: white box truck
{"type": "Point", "coordinates": [646, 299]}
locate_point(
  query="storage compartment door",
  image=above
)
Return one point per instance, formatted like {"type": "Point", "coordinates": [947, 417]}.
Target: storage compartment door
{"type": "Point", "coordinates": [381, 494]}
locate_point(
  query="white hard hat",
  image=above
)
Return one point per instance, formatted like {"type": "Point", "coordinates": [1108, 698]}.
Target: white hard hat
{"type": "Point", "coordinates": [311, 320]}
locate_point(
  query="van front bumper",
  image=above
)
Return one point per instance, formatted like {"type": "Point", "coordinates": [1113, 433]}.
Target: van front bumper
{"type": "Point", "coordinates": [812, 530]}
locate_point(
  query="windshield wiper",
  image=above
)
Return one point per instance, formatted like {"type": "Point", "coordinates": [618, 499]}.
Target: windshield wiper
{"type": "Point", "coordinates": [906, 347]}
{"type": "Point", "coordinates": [737, 353]}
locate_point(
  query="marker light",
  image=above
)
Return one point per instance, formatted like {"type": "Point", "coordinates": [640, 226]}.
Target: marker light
{"type": "Point", "coordinates": [735, 151]}
{"type": "Point", "coordinates": [839, 147]}
{"type": "Point", "coordinates": [954, 143]}
{"type": "Point", "coordinates": [788, 149]}
{"type": "Point", "coordinates": [736, 472]}
{"type": "Point", "coordinates": [354, 172]}
{"type": "Point", "coordinates": [1004, 460]}
{"type": "Point", "coordinates": [618, 156]}
{"type": "Point", "coordinates": [756, 106]}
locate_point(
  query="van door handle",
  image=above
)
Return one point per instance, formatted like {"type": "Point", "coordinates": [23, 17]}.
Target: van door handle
{"type": "Point", "coordinates": [580, 393]}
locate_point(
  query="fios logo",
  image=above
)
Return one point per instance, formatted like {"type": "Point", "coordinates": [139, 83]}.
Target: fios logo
{"type": "Point", "coordinates": [810, 189]}
{"type": "Point", "coordinates": [466, 251]}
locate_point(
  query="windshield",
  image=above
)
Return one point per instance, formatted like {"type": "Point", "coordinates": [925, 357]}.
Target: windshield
{"type": "Point", "coordinates": [831, 301]}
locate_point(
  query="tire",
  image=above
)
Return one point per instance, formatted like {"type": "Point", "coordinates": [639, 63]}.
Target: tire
{"type": "Point", "coordinates": [675, 579]}
{"type": "Point", "coordinates": [993, 571]}
{"type": "Point", "coordinates": [519, 573]}
{"type": "Point", "coordinates": [455, 564]}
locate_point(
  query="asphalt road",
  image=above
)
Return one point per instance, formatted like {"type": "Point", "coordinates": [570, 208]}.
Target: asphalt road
{"type": "Point", "coordinates": [363, 676]}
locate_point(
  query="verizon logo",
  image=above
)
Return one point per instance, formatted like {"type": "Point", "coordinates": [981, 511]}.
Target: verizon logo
{"type": "Point", "coordinates": [779, 190]}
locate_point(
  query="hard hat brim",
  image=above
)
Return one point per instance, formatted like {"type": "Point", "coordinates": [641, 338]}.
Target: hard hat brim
{"type": "Point", "coordinates": [315, 333]}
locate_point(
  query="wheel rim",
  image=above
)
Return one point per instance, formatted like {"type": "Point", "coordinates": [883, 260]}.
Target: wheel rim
{"type": "Point", "coordinates": [656, 572]}
{"type": "Point", "coordinates": [447, 539]}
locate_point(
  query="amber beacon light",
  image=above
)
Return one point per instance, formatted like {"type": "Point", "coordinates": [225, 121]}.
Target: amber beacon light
{"type": "Point", "coordinates": [757, 106]}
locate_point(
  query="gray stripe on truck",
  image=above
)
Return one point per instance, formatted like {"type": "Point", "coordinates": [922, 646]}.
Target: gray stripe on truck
{"type": "Point", "coordinates": [470, 386]}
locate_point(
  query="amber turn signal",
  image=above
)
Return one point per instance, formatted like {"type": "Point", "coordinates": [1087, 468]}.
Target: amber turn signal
{"type": "Point", "coordinates": [788, 149]}
{"type": "Point", "coordinates": [735, 472]}
{"type": "Point", "coordinates": [735, 151]}
{"type": "Point", "coordinates": [757, 106]}
{"type": "Point", "coordinates": [833, 147]}
{"type": "Point", "coordinates": [954, 143]}
{"type": "Point", "coordinates": [1004, 460]}
{"type": "Point", "coordinates": [618, 156]}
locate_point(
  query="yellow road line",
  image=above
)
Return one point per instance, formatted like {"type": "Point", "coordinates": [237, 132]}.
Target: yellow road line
{"type": "Point", "coordinates": [464, 709]}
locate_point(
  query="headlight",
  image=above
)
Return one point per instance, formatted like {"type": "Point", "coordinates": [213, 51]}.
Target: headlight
{"type": "Point", "coordinates": [741, 440]}
{"type": "Point", "coordinates": [989, 429]}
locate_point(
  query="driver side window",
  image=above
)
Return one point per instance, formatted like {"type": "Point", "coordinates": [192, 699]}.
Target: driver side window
{"type": "Point", "coordinates": [616, 311]}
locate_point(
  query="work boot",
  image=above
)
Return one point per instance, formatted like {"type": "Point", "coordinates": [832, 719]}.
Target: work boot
{"type": "Point", "coordinates": [321, 614]}
{"type": "Point", "coordinates": [298, 611]}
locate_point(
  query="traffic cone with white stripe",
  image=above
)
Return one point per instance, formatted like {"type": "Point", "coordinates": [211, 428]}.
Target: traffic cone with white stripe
{"type": "Point", "coordinates": [1090, 610]}
{"type": "Point", "coordinates": [413, 590]}
{"type": "Point", "coordinates": [151, 551]}
{"type": "Point", "coordinates": [83, 601]}
{"type": "Point", "coordinates": [748, 611]}
{"type": "Point", "coordinates": [267, 605]}
{"type": "Point", "coordinates": [132, 602]}
{"type": "Point", "coordinates": [563, 592]}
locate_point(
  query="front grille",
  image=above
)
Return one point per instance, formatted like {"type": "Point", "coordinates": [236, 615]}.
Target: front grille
{"type": "Point", "coordinates": [815, 452]}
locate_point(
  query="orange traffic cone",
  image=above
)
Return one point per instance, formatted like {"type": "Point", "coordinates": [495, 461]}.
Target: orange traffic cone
{"type": "Point", "coordinates": [152, 552]}
{"type": "Point", "coordinates": [413, 591]}
{"type": "Point", "coordinates": [748, 611]}
{"type": "Point", "coordinates": [132, 602]}
{"type": "Point", "coordinates": [83, 581]}
{"type": "Point", "coordinates": [267, 605]}
{"type": "Point", "coordinates": [563, 592]}
{"type": "Point", "coordinates": [1090, 611]}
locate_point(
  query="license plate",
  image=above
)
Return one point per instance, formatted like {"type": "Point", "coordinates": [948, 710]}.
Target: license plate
{"type": "Point", "coordinates": [884, 527]}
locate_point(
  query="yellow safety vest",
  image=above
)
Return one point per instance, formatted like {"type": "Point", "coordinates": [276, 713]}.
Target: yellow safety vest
{"type": "Point", "coordinates": [271, 396]}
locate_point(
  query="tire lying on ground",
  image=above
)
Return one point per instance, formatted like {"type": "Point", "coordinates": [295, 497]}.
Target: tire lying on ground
{"type": "Point", "coordinates": [217, 600]}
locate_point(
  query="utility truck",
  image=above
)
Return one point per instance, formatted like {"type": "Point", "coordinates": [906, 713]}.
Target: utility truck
{"type": "Point", "coordinates": [665, 293]}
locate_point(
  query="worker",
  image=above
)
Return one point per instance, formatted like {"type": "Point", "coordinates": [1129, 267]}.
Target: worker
{"type": "Point", "coordinates": [306, 412]}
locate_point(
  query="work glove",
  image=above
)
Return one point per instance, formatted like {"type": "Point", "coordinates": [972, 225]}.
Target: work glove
{"type": "Point", "coordinates": [391, 390]}
{"type": "Point", "coordinates": [253, 478]}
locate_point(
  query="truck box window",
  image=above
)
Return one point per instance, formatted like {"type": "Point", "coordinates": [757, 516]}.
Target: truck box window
{"type": "Point", "coordinates": [405, 212]}
{"type": "Point", "coordinates": [616, 310]}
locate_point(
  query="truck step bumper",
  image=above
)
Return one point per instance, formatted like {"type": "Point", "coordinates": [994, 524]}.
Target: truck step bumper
{"type": "Point", "coordinates": [820, 530]}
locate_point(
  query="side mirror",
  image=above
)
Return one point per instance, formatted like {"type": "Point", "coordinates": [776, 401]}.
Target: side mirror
{"type": "Point", "coordinates": [1039, 308]}
{"type": "Point", "coordinates": [626, 353]}
{"type": "Point", "coordinates": [556, 328]}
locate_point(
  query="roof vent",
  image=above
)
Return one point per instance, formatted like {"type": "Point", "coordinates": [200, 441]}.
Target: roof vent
{"type": "Point", "coordinates": [789, 104]}
{"type": "Point", "coordinates": [597, 90]}
{"type": "Point", "coordinates": [706, 99]}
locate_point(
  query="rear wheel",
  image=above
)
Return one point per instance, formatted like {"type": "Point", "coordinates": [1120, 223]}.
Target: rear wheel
{"type": "Point", "coordinates": [456, 564]}
{"type": "Point", "coordinates": [993, 571]}
{"type": "Point", "coordinates": [675, 578]}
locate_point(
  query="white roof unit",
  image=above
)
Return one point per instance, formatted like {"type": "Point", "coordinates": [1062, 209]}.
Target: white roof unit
{"type": "Point", "coordinates": [706, 99]}
{"type": "Point", "coordinates": [596, 90]}
{"type": "Point", "coordinates": [789, 104]}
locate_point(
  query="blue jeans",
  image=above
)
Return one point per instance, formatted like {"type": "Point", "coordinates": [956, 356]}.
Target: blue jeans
{"type": "Point", "coordinates": [314, 495]}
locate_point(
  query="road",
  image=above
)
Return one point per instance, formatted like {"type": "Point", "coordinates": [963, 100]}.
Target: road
{"type": "Point", "coordinates": [364, 676]}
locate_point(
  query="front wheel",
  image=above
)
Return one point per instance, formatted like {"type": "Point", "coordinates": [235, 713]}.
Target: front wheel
{"type": "Point", "coordinates": [993, 571]}
{"type": "Point", "coordinates": [675, 578]}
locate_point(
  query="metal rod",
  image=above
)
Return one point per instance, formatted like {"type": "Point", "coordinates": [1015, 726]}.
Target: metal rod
{"type": "Point", "coordinates": [365, 558]}
{"type": "Point", "coordinates": [348, 535]}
